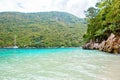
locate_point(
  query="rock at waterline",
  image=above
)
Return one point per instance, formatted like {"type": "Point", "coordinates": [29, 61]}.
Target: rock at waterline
{"type": "Point", "coordinates": [111, 45]}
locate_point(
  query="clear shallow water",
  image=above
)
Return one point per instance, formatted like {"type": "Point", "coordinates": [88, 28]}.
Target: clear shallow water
{"type": "Point", "coordinates": [58, 64]}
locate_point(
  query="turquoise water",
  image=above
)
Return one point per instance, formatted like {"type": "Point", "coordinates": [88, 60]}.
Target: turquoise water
{"type": "Point", "coordinates": [58, 64]}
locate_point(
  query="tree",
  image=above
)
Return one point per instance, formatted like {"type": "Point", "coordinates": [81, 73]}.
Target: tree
{"type": "Point", "coordinates": [91, 12]}
{"type": "Point", "coordinates": [105, 22]}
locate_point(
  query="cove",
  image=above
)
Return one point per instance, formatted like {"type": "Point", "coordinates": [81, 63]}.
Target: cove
{"type": "Point", "coordinates": [58, 64]}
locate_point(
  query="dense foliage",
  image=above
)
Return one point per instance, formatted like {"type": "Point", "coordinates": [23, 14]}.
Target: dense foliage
{"type": "Point", "coordinates": [44, 29]}
{"type": "Point", "coordinates": [103, 20]}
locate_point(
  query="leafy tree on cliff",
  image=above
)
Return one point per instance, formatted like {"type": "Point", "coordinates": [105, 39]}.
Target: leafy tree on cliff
{"type": "Point", "coordinates": [107, 21]}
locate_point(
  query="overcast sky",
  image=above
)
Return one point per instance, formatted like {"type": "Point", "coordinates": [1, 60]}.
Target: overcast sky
{"type": "Point", "coordinates": [76, 7]}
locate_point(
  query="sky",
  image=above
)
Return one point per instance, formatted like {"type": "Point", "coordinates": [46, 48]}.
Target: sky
{"type": "Point", "coordinates": [75, 7]}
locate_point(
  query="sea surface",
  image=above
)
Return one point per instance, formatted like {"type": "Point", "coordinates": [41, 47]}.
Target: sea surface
{"type": "Point", "coordinates": [58, 64]}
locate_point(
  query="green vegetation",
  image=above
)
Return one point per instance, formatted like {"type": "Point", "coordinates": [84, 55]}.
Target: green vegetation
{"type": "Point", "coordinates": [103, 20]}
{"type": "Point", "coordinates": [44, 29]}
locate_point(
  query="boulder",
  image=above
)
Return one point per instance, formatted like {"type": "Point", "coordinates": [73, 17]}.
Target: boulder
{"type": "Point", "coordinates": [116, 45]}
{"type": "Point", "coordinates": [91, 45]}
{"type": "Point", "coordinates": [101, 45]}
{"type": "Point", "coordinates": [86, 46]}
{"type": "Point", "coordinates": [95, 45]}
{"type": "Point", "coordinates": [111, 45]}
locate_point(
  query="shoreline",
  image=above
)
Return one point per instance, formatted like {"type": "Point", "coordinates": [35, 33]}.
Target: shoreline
{"type": "Point", "coordinates": [111, 45]}
{"type": "Point", "coordinates": [42, 48]}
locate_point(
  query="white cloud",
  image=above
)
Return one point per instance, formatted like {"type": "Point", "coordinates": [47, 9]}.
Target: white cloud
{"type": "Point", "coordinates": [75, 7]}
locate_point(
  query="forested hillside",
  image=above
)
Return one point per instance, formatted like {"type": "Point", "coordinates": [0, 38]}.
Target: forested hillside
{"type": "Point", "coordinates": [103, 31]}
{"type": "Point", "coordinates": [103, 20]}
{"type": "Point", "coordinates": [43, 29]}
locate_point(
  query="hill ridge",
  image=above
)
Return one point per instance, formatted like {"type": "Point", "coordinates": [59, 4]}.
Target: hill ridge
{"type": "Point", "coordinates": [43, 29]}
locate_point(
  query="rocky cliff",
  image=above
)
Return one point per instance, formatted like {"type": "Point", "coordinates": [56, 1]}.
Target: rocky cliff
{"type": "Point", "coordinates": [111, 45]}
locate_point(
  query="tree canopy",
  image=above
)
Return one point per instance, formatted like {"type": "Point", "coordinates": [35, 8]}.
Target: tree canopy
{"type": "Point", "coordinates": [44, 29]}
{"type": "Point", "coordinates": [104, 22]}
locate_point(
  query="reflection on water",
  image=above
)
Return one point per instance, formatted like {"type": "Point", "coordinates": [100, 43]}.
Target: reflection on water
{"type": "Point", "coordinates": [58, 64]}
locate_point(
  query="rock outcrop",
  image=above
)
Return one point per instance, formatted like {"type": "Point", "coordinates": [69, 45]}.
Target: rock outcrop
{"type": "Point", "coordinates": [91, 45]}
{"type": "Point", "coordinates": [111, 45]}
